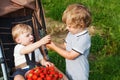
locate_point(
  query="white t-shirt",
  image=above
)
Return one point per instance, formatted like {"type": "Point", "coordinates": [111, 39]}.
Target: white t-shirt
{"type": "Point", "coordinates": [78, 68]}
{"type": "Point", "coordinates": [20, 58]}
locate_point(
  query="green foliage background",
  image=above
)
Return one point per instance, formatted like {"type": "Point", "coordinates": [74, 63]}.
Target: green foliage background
{"type": "Point", "coordinates": [104, 55]}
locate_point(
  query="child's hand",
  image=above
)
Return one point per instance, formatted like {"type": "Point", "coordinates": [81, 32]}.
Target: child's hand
{"type": "Point", "coordinates": [51, 45]}
{"type": "Point", "coordinates": [48, 64]}
{"type": "Point", "coordinates": [46, 39]}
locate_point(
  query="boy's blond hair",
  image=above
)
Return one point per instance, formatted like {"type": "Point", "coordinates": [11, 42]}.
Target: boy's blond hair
{"type": "Point", "coordinates": [19, 29]}
{"type": "Point", "coordinates": [77, 15]}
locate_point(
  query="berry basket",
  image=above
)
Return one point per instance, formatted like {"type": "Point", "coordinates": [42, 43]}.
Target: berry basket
{"type": "Point", "coordinates": [45, 73]}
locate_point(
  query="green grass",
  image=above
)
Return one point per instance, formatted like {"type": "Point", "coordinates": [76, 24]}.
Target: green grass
{"type": "Point", "coordinates": [104, 55]}
{"type": "Point", "coordinates": [98, 43]}
{"type": "Point", "coordinates": [105, 68]}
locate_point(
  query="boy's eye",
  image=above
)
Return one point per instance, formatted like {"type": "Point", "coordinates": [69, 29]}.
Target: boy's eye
{"type": "Point", "coordinates": [27, 35]}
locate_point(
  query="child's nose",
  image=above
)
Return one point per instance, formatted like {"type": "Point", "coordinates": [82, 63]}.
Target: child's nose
{"type": "Point", "coordinates": [67, 27]}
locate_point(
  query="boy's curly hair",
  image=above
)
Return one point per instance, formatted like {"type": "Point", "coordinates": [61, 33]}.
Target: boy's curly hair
{"type": "Point", "coordinates": [77, 15]}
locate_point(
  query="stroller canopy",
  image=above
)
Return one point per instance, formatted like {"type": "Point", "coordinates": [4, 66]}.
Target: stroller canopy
{"type": "Point", "coordinates": [8, 6]}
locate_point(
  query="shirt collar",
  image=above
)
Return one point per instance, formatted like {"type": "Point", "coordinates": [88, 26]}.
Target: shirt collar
{"type": "Point", "coordinates": [81, 33]}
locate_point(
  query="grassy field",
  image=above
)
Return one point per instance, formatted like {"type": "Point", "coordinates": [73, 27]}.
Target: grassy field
{"type": "Point", "coordinates": [104, 55]}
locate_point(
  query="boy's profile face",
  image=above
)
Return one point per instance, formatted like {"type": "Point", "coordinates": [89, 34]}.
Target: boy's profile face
{"type": "Point", "coordinates": [71, 27]}
{"type": "Point", "coordinates": [25, 38]}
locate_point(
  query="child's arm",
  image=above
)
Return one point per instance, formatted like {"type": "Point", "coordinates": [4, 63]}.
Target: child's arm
{"type": "Point", "coordinates": [31, 47]}
{"type": "Point", "coordinates": [63, 46]}
{"type": "Point", "coordinates": [66, 54]}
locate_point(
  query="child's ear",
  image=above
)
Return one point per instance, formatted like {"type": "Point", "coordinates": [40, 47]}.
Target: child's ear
{"type": "Point", "coordinates": [17, 40]}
